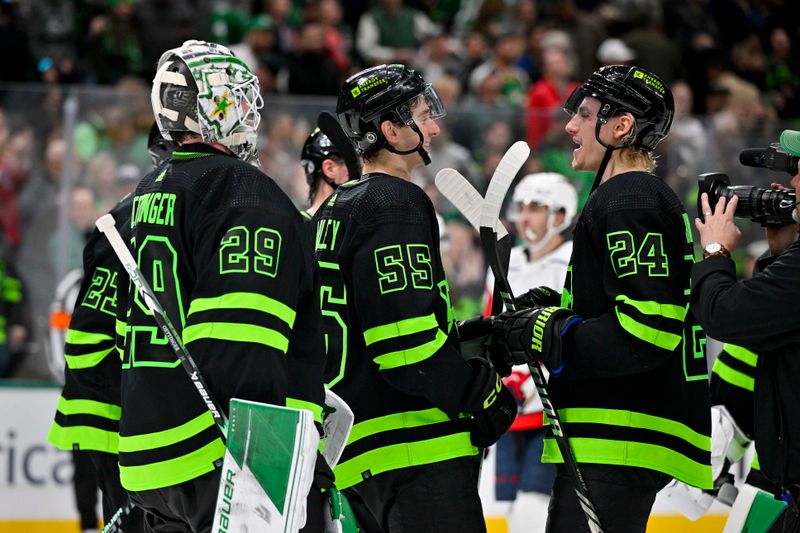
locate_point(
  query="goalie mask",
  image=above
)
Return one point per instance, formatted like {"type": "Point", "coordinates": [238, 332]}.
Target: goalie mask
{"type": "Point", "coordinates": [204, 88]}
{"type": "Point", "coordinates": [385, 92]}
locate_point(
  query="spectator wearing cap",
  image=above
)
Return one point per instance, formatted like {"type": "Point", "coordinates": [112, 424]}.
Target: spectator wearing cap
{"type": "Point", "coordinates": [261, 50]}
{"type": "Point", "coordinates": [259, 39]}
{"type": "Point", "coordinates": [614, 52]}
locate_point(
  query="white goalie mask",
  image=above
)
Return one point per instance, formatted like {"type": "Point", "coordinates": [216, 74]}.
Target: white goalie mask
{"type": "Point", "coordinates": [547, 189]}
{"type": "Point", "coordinates": [204, 88]}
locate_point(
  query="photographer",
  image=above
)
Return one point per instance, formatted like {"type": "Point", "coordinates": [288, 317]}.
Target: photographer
{"type": "Point", "coordinates": [760, 314]}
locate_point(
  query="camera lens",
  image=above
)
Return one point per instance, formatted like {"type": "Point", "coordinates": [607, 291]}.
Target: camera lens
{"type": "Point", "coordinates": [768, 207]}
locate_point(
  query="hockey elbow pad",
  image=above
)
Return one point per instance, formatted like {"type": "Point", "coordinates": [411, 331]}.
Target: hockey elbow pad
{"type": "Point", "coordinates": [490, 403]}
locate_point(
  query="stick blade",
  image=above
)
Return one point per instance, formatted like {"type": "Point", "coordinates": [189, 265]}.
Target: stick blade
{"type": "Point", "coordinates": [330, 126]}
{"type": "Point", "coordinates": [460, 192]}
{"type": "Point", "coordinates": [503, 177]}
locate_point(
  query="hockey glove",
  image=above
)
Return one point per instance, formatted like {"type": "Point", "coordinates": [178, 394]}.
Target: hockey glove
{"type": "Point", "coordinates": [538, 297]}
{"type": "Point", "coordinates": [491, 405]}
{"type": "Point", "coordinates": [531, 335]}
{"type": "Point", "coordinates": [473, 336]}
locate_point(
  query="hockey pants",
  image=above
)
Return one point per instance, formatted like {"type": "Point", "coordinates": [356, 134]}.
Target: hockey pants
{"type": "Point", "coordinates": [436, 498]}
{"type": "Point", "coordinates": [623, 497]}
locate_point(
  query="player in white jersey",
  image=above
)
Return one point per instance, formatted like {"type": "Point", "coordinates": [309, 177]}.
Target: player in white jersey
{"type": "Point", "coordinates": [544, 206]}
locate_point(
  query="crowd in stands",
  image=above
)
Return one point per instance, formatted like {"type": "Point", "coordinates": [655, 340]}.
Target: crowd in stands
{"type": "Point", "coordinates": [74, 99]}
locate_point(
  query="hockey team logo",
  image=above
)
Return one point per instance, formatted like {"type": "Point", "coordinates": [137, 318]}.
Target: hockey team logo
{"type": "Point", "coordinates": [538, 328]}
{"type": "Point", "coordinates": [367, 86]}
{"type": "Point", "coordinates": [649, 80]}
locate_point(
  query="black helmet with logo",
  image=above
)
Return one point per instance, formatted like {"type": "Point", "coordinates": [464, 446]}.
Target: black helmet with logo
{"type": "Point", "coordinates": [317, 149]}
{"type": "Point", "coordinates": [385, 92]}
{"type": "Point", "coordinates": [622, 88]}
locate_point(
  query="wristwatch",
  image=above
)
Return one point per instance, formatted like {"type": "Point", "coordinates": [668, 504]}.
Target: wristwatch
{"type": "Point", "coordinates": [715, 248]}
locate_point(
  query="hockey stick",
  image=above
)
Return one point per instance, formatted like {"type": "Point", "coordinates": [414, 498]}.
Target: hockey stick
{"type": "Point", "coordinates": [106, 225]}
{"type": "Point", "coordinates": [507, 169]}
{"type": "Point", "coordinates": [460, 192]}
{"type": "Point", "coordinates": [330, 126]}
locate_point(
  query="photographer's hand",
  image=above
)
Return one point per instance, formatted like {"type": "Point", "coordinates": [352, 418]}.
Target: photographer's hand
{"type": "Point", "coordinates": [718, 225]}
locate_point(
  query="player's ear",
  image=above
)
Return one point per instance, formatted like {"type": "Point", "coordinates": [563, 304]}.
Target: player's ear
{"type": "Point", "coordinates": [623, 124]}
{"type": "Point", "coordinates": [389, 130]}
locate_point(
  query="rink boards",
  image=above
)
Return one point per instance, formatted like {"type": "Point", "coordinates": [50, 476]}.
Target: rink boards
{"type": "Point", "coordinates": [35, 478]}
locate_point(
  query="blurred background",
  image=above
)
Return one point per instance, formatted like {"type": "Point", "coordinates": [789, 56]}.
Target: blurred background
{"type": "Point", "coordinates": [75, 111]}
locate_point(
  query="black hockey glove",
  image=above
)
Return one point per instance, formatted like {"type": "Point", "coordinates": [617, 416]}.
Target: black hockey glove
{"type": "Point", "coordinates": [531, 335]}
{"type": "Point", "coordinates": [538, 297]}
{"type": "Point", "coordinates": [473, 336]}
{"type": "Point", "coordinates": [490, 403]}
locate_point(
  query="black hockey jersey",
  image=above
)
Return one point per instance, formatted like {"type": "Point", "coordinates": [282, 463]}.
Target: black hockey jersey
{"type": "Point", "coordinates": [228, 257]}
{"type": "Point", "coordinates": [390, 331]}
{"type": "Point", "coordinates": [88, 411]}
{"type": "Point", "coordinates": [634, 390]}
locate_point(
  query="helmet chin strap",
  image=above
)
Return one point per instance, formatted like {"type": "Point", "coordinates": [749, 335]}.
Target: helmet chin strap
{"type": "Point", "coordinates": [606, 157]}
{"type": "Point", "coordinates": [426, 157]}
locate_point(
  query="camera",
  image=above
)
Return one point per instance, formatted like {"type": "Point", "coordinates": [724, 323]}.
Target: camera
{"type": "Point", "coordinates": [773, 158]}
{"type": "Point", "coordinates": [768, 207]}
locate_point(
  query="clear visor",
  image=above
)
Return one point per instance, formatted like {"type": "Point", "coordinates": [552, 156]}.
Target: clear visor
{"type": "Point", "coordinates": [574, 101]}
{"type": "Point", "coordinates": [427, 105]}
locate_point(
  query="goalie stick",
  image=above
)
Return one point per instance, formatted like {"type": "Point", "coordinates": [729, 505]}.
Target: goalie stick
{"type": "Point", "coordinates": [330, 126]}
{"type": "Point", "coordinates": [106, 225]}
{"type": "Point", "coordinates": [501, 181]}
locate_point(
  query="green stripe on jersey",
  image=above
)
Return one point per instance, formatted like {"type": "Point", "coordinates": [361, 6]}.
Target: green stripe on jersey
{"type": "Point", "coordinates": [662, 339]}
{"type": "Point", "coordinates": [232, 331]}
{"type": "Point", "coordinates": [88, 407]}
{"type": "Point", "coordinates": [733, 376]}
{"type": "Point", "coordinates": [12, 290]}
{"type": "Point", "coordinates": [167, 437]}
{"type": "Point", "coordinates": [411, 356]}
{"type": "Point", "coordinates": [409, 326]}
{"type": "Point", "coordinates": [87, 360]}
{"type": "Point", "coordinates": [85, 437]}
{"type": "Point", "coordinates": [172, 471]}
{"type": "Point", "coordinates": [625, 453]}
{"type": "Point", "coordinates": [410, 419]}
{"type": "Point", "coordinates": [632, 419]}
{"type": "Point", "coordinates": [245, 300]}
{"type": "Point", "coordinates": [315, 409]}
{"type": "Point", "coordinates": [650, 307]}
{"type": "Point", "coordinates": [403, 455]}
{"type": "Point", "coordinates": [75, 336]}
{"type": "Point", "coordinates": [742, 354]}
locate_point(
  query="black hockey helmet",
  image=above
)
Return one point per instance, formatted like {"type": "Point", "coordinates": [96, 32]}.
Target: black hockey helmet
{"type": "Point", "coordinates": [622, 88]}
{"type": "Point", "coordinates": [385, 92]}
{"type": "Point", "coordinates": [317, 149]}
